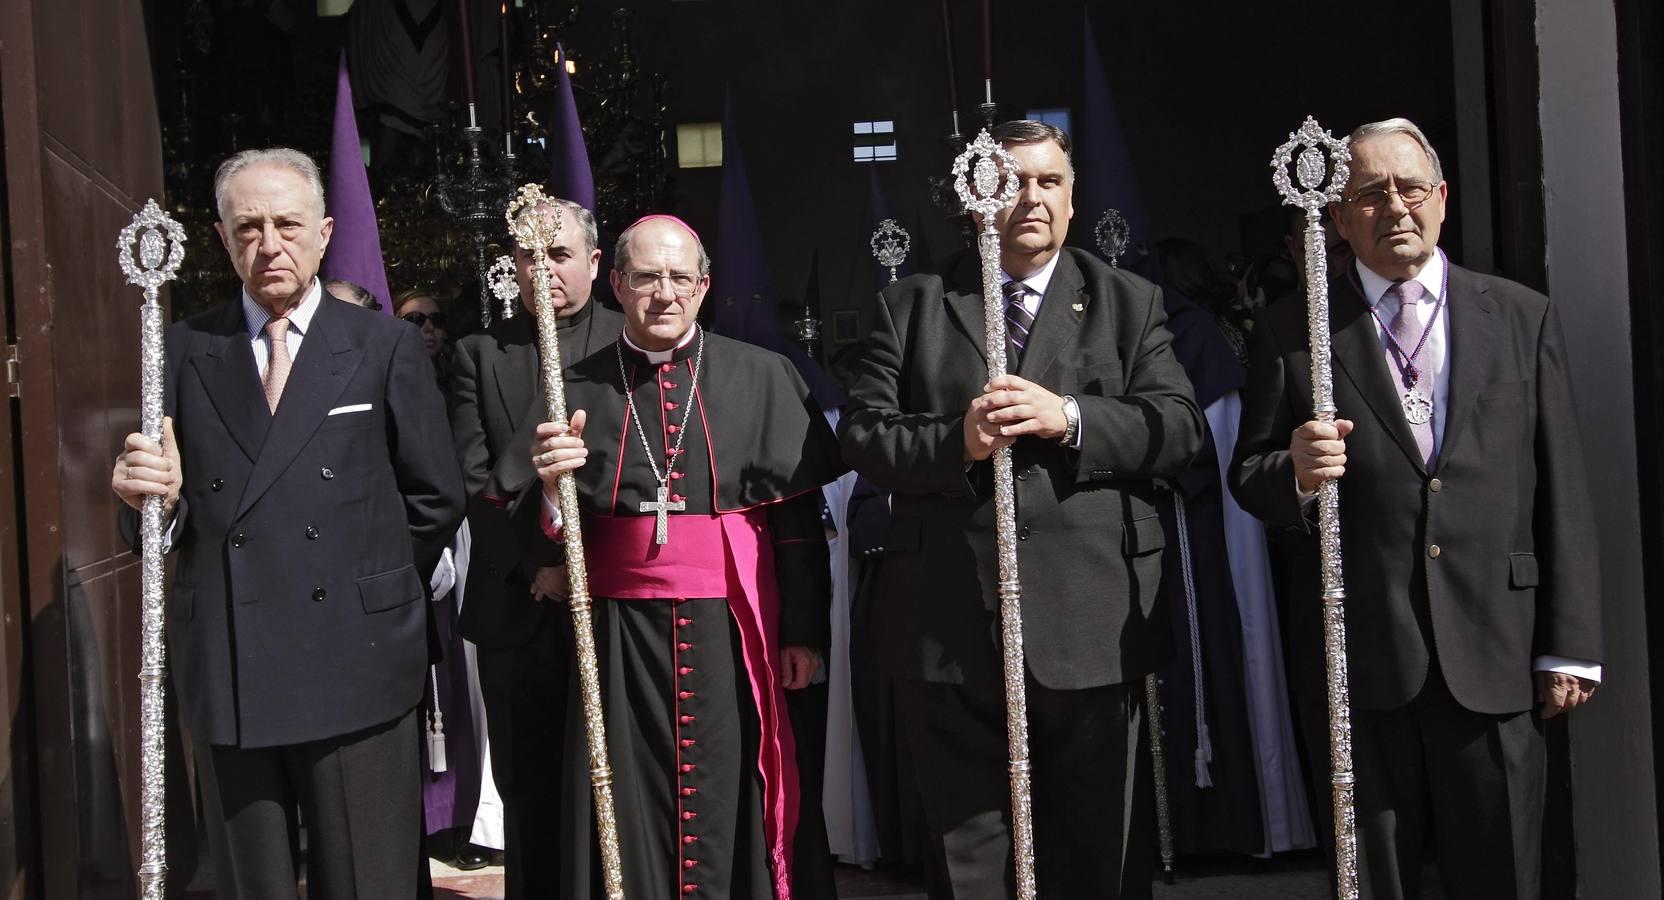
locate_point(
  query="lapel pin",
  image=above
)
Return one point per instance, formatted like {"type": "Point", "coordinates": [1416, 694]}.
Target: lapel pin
{"type": "Point", "coordinates": [1078, 307]}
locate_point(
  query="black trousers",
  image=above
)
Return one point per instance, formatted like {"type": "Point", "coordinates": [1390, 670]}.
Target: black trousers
{"type": "Point", "coordinates": [524, 689]}
{"type": "Point", "coordinates": [360, 795]}
{"type": "Point", "coordinates": [1474, 783]}
{"type": "Point", "coordinates": [1093, 795]}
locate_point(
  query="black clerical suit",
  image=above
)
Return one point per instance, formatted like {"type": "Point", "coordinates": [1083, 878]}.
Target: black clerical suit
{"type": "Point", "coordinates": [497, 401]}
{"type": "Point", "coordinates": [679, 682]}
{"type": "Point", "coordinates": [297, 623]}
{"type": "Point", "coordinates": [1089, 551]}
{"type": "Point", "coordinates": [1457, 575]}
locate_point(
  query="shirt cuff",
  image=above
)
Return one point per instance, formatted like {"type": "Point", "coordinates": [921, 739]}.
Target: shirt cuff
{"type": "Point", "coordinates": [1582, 668]}
{"type": "Point", "coordinates": [444, 576]}
{"type": "Point", "coordinates": [167, 533]}
{"type": "Point", "coordinates": [551, 520]}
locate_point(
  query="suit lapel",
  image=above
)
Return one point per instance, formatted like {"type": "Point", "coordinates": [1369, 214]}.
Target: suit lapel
{"type": "Point", "coordinates": [232, 382]}
{"type": "Point", "coordinates": [328, 357]}
{"type": "Point", "coordinates": [963, 298]}
{"type": "Point", "coordinates": [1061, 311]}
{"type": "Point", "coordinates": [1473, 342]}
{"type": "Point", "coordinates": [1358, 352]}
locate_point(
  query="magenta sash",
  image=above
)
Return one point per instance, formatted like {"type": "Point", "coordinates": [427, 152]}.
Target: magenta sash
{"type": "Point", "coordinates": [727, 555]}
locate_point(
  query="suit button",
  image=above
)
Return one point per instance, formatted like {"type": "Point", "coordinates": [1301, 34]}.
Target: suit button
{"type": "Point", "coordinates": [1432, 551]}
{"type": "Point", "coordinates": [318, 594]}
{"type": "Point", "coordinates": [217, 484]}
{"type": "Point", "coordinates": [1435, 485]}
{"type": "Point", "coordinates": [239, 539]}
{"type": "Point", "coordinates": [1022, 533]}
{"type": "Point", "coordinates": [1022, 475]}
{"type": "Point", "coordinates": [311, 533]}
{"type": "Point", "coordinates": [327, 473]}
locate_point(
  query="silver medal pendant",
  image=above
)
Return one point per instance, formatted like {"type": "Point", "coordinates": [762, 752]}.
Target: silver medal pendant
{"type": "Point", "coordinates": [1418, 407]}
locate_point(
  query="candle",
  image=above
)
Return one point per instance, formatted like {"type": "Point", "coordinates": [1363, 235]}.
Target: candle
{"type": "Point", "coordinates": [465, 48]}
{"type": "Point", "coordinates": [987, 43]}
{"type": "Point", "coordinates": [507, 77]}
{"type": "Point", "coordinates": [947, 42]}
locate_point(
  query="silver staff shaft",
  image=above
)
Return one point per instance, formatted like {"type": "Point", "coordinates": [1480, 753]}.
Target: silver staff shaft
{"type": "Point", "coordinates": [160, 245]}
{"type": "Point", "coordinates": [1320, 182]}
{"type": "Point", "coordinates": [534, 221]}
{"type": "Point", "coordinates": [1158, 759]}
{"type": "Point", "coordinates": [153, 863]}
{"type": "Point", "coordinates": [1010, 588]}
{"type": "Point", "coordinates": [589, 675]}
{"type": "Point", "coordinates": [1334, 587]}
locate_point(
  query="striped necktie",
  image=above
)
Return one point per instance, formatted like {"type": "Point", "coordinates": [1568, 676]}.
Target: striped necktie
{"type": "Point", "coordinates": [1019, 322]}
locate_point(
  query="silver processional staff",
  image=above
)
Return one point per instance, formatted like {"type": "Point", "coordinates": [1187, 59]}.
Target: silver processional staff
{"type": "Point", "coordinates": [161, 248]}
{"type": "Point", "coordinates": [1312, 194]}
{"type": "Point", "coordinates": [985, 178]}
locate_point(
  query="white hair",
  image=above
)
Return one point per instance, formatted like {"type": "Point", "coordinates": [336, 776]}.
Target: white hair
{"type": "Point", "coordinates": [1402, 126]}
{"type": "Point", "coordinates": [284, 157]}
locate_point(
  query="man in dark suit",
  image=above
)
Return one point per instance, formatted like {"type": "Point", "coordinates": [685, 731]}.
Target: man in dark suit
{"type": "Point", "coordinates": [322, 492]}
{"type": "Point", "coordinates": [1472, 585]}
{"type": "Point", "coordinates": [1097, 409]}
{"type": "Point", "coordinates": [497, 402]}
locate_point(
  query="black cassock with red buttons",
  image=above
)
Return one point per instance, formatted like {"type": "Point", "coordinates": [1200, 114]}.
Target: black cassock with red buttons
{"type": "Point", "coordinates": [682, 725]}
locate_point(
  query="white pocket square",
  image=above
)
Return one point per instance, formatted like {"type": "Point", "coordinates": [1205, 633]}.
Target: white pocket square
{"type": "Point", "coordinates": [356, 407]}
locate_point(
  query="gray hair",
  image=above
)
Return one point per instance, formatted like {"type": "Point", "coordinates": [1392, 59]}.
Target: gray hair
{"type": "Point", "coordinates": [284, 157]}
{"type": "Point", "coordinates": [621, 250]}
{"type": "Point", "coordinates": [1403, 126]}
{"type": "Point", "coordinates": [1029, 131]}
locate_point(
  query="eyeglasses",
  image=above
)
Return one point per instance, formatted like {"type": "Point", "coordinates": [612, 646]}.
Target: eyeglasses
{"type": "Point", "coordinates": [681, 283]}
{"type": "Point", "coordinates": [1412, 196]}
{"type": "Point", "coordinates": [421, 318]}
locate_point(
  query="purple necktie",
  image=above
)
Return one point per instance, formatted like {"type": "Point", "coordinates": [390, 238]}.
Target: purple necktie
{"type": "Point", "coordinates": [1018, 320]}
{"type": "Point", "coordinates": [1407, 331]}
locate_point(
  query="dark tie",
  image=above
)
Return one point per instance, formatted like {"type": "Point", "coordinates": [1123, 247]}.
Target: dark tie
{"type": "Point", "coordinates": [1407, 330]}
{"type": "Point", "coordinates": [1018, 320]}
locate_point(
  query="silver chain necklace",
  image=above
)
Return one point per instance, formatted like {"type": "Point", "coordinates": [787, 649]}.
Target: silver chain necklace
{"type": "Point", "coordinates": [662, 506]}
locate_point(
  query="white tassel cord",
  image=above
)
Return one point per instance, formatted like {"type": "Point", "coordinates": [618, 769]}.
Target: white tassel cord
{"type": "Point", "coordinates": [1204, 744]}
{"type": "Point", "coordinates": [436, 727]}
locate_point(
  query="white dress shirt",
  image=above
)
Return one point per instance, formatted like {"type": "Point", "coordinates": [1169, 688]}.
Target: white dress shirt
{"type": "Point", "coordinates": [256, 316]}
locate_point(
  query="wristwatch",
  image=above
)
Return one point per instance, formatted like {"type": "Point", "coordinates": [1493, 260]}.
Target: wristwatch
{"type": "Point", "coordinates": [1071, 415]}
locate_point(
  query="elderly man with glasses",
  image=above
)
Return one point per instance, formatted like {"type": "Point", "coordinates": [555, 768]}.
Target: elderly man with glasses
{"type": "Point", "coordinates": [1472, 575]}
{"type": "Point", "coordinates": [699, 462]}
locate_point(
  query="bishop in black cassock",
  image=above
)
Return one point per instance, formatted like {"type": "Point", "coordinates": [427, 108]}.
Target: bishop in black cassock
{"type": "Point", "coordinates": [698, 636]}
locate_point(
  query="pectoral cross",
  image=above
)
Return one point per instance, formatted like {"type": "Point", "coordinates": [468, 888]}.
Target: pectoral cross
{"type": "Point", "coordinates": [661, 510]}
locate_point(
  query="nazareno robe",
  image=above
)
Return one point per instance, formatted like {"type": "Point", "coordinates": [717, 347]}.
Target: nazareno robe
{"type": "Point", "coordinates": [688, 634]}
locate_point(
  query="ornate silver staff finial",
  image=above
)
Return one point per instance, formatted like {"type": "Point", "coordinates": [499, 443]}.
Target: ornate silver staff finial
{"type": "Point", "coordinates": [1313, 193]}
{"type": "Point", "coordinates": [535, 221]}
{"type": "Point", "coordinates": [530, 227]}
{"type": "Point", "coordinates": [890, 244]}
{"type": "Point", "coordinates": [503, 285]}
{"type": "Point", "coordinates": [1113, 234]}
{"type": "Point", "coordinates": [985, 178]}
{"type": "Point", "coordinates": [161, 245]}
